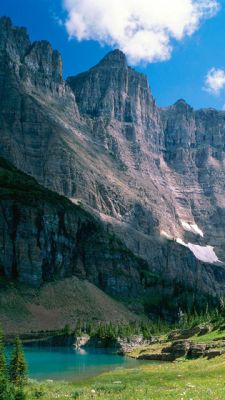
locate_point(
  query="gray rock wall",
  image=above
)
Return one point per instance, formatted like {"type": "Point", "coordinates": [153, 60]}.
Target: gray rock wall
{"type": "Point", "coordinates": [99, 138]}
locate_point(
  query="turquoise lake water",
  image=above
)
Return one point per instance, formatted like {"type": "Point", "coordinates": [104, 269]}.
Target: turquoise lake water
{"type": "Point", "coordinates": [68, 364]}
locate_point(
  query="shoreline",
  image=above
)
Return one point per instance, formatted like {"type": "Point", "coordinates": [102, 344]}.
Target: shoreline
{"type": "Point", "coordinates": [199, 341]}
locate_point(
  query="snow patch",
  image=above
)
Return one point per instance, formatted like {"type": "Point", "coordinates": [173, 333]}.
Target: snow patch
{"type": "Point", "coordinates": [166, 235]}
{"type": "Point", "coordinates": [180, 241]}
{"type": "Point", "coordinates": [197, 230]}
{"type": "Point", "coordinates": [75, 201]}
{"type": "Point", "coordinates": [192, 228]}
{"type": "Point", "coordinates": [202, 253]}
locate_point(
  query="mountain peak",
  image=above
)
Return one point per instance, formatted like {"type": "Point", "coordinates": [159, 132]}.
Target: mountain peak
{"type": "Point", "coordinates": [115, 58]}
{"type": "Point", "coordinates": [182, 104]}
{"type": "Point", "coordinates": [7, 25]}
{"type": "Point", "coordinates": [5, 21]}
{"type": "Point", "coordinates": [14, 39]}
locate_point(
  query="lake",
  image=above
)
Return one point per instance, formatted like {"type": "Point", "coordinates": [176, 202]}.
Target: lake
{"type": "Point", "coordinates": [60, 363]}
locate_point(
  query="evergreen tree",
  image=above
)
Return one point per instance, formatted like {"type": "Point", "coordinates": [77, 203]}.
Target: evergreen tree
{"type": "Point", "coordinates": [66, 330]}
{"type": "Point", "coordinates": [6, 389]}
{"type": "Point", "coordinates": [78, 329]}
{"type": "Point", "coordinates": [18, 366]}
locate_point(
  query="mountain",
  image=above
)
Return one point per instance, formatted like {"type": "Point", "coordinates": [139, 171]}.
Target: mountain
{"type": "Point", "coordinates": [44, 237]}
{"type": "Point", "coordinates": [53, 255]}
{"type": "Point", "coordinates": [153, 178]}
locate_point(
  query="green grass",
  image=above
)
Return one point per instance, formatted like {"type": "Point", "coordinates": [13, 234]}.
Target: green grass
{"type": "Point", "coordinates": [208, 337]}
{"type": "Point", "coordinates": [198, 380]}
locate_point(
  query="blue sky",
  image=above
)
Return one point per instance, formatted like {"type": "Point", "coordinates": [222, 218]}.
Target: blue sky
{"type": "Point", "coordinates": [181, 76]}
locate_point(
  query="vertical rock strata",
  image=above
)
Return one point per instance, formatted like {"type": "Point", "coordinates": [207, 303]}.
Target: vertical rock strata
{"type": "Point", "coordinates": [154, 177]}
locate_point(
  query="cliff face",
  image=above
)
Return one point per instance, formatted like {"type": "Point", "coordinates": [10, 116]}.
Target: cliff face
{"type": "Point", "coordinates": [117, 93]}
{"type": "Point", "coordinates": [30, 81]}
{"type": "Point", "coordinates": [121, 98]}
{"type": "Point", "coordinates": [43, 237]}
{"type": "Point", "coordinates": [155, 177]}
{"type": "Point", "coordinates": [46, 238]}
{"type": "Point", "coordinates": [195, 152]}
{"type": "Point", "coordinates": [33, 63]}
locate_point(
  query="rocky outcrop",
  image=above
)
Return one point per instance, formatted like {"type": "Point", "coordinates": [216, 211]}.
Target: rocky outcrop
{"type": "Point", "coordinates": [118, 93]}
{"type": "Point", "coordinates": [155, 177]}
{"type": "Point", "coordinates": [121, 345]}
{"type": "Point", "coordinates": [189, 349]}
{"type": "Point", "coordinates": [198, 330]}
{"type": "Point", "coordinates": [128, 344]}
{"type": "Point", "coordinates": [35, 64]}
{"type": "Point", "coordinates": [30, 78]}
{"type": "Point", "coordinates": [43, 237]}
{"type": "Point", "coordinates": [81, 341]}
{"type": "Point", "coordinates": [185, 349]}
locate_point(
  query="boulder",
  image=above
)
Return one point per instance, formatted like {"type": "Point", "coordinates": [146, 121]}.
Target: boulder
{"type": "Point", "coordinates": [214, 353]}
{"type": "Point", "coordinates": [180, 348]}
{"type": "Point", "coordinates": [205, 329]}
{"type": "Point", "coordinates": [196, 350]}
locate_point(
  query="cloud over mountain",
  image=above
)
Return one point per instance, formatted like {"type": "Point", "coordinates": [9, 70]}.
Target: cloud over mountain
{"type": "Point", "coordinates": [143, 29]}
{"type": "Point", "coordinates": [215, 81]}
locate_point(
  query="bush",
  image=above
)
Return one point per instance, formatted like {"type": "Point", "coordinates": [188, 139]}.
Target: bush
{"type": "Point", "coordinates": [20, 395]}
{"type": "Point", "coordinates": [38, 393]}
{"type": "Point", "coordinates": [77, 393]}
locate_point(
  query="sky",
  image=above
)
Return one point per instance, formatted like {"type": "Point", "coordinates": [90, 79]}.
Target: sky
{"type": "Point", "coordinates": [178, 44]}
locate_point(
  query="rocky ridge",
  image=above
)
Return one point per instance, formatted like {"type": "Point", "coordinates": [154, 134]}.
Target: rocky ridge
{"type": "Point", "coordinates": [154, 176]}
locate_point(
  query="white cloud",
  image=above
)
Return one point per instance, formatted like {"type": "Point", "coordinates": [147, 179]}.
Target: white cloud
{"type": "Point", "coordinates": [215, 81]}
{"type": "Point", "coordinates": [143, 29]}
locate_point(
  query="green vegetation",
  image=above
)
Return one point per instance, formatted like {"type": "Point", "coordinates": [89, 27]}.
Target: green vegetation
{"type": "Point", "coordinates": [161, 296]}
{"type": "Point", "coordinates": [148, 327]}
{"type": "Point", "coordinates": [183, 379]}
{"type": "Point", "coordinates": [103, 330]}
{"type": "Point", "coordinates": [12, 377]}
{"type": "Point", "coordinates": [197, 380]}
{"type": "Point", "coordinates": [215, 334]}
{"type": "Point", "coordinates": [6, 389]}
{"type": "Point", "coordinates": [112, 331]}
{"type": "Point", "coordinates": [18, 367]}
{"type": "Point", "coordinates": [3, 367]}
{"type": "Point", "coordinates": [215, 316]}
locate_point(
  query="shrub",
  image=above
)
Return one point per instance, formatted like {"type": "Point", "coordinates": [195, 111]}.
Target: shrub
{"type": "Point", "coordinates": [20, 395]}
{"type": "Point", "coordinates": [38, 393]}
